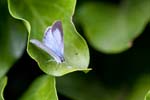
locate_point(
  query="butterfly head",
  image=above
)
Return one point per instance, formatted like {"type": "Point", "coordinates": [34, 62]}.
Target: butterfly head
{"type": "Point", "coordinates": [59, 59]}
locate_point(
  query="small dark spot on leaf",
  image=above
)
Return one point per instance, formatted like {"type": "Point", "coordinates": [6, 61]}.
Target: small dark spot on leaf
{"type": "Point", "coordinates": [76, 53]}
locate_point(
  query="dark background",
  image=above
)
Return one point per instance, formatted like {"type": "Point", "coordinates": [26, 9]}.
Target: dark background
{"type": "Point", "coordinates": [124, 67]}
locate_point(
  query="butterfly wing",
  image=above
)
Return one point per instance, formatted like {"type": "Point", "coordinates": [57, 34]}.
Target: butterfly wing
{"type": "Point", "coordinates": [48, 39]}
{"type": "Point", "coordinates": [57, 33]}
{"type": "Point", "coordinates": [53, 39]}
{"type": "Point", "coordinates": [43, 47]}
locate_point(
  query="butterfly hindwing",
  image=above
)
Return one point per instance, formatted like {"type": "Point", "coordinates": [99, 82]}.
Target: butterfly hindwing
{"type": "Point", "coordinates": [42, 46]}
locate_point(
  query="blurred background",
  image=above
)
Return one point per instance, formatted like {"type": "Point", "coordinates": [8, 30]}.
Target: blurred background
{"type": "Point", "coordinates": [114, 76]}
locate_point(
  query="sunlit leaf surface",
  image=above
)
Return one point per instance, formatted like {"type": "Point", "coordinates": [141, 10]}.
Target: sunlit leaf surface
{"type": "Point", "coordinates": [3, 81]}
{"type": "Point", "coordinates": [38, 15]}
{"type": "Point", "coordinates": [43, 88]}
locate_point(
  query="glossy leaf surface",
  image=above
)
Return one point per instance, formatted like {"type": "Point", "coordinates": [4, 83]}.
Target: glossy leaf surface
{"type": "Point", "coordinates": [37, 17]}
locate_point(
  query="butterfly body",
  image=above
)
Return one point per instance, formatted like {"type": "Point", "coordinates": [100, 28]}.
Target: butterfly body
{"type": "Point", "coordinates": [53, 42]}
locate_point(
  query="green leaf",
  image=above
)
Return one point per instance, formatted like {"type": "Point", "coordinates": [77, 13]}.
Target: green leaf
{"type": "Point", "coordinates": [43, 88]}
{"type": "Point", "coordinates": [79, 86]}
{"type": "Point", "coordinates": [3, 81]}
{"type": "Point", "coordinates": [38, 16]}
{"type": "Point", "coordinates": [112, 28]}
{"type": "Point", "coordinates": [12, 39]}
{"type": "Point", "coordinates": [147, 97]}
{"type": "Point", "coordinates": [140, 88]}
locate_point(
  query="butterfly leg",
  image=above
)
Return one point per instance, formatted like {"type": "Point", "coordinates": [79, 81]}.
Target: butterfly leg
{"type": "Point", "coordinates": [51, 60]}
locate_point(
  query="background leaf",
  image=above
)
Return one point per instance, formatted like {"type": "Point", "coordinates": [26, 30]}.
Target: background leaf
{"type": "Point", "coordinates": [78, 86]}
{"type": "Point", "coordinates": [3, 81]}
{"type": "Point", "coordinates": [12, 39]}
{"type": "Point", "coordinates": [111, 28]}
{"type": "Point", "coordinates": [43, 88]}
{"type": "Point", "coordinates": [40, 15]}
{"type": "Point", "coordinates": [140, 88]}
{"type": "Point", "coordinates": [147, 97]}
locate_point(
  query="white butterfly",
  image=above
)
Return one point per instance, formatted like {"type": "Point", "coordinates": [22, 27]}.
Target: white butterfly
{"type": "Point", "coordinates": [53, 42]}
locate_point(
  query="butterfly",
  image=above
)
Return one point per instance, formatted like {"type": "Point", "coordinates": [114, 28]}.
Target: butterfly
{"type": "Point", "coordinates": [53, 42]}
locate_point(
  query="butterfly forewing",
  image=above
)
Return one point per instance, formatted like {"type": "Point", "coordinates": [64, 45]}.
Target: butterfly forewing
{"type": "Point", "coordinates": [48, 39]}
{"type": "Point", "coordinates": [57, 33]}
{"type": "Point", "coordinates": [53, 39]}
